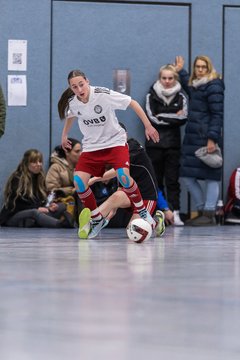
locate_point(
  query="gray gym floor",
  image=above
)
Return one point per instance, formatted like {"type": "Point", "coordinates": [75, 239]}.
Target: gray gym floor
{"type": "Point", "coordinates": [172, 298]}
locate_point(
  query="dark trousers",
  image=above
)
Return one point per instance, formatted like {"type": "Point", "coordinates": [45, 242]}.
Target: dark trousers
{"type": "Point", "coordinates": [34, 218]}
{"type": "Point", "coordinates": [166, 164]}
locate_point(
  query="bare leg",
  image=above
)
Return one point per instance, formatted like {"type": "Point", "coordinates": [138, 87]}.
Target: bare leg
{"type": "Point", "coordinates": [117, 200]}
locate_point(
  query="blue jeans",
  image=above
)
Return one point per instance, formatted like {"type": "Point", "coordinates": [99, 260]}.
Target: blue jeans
{"type": "Point", "coordinates": [204, 200]}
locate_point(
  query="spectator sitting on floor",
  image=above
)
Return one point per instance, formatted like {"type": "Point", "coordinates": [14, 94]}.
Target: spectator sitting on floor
{"type": "Point", "coordinates": [59, 176]}
{"type": "Point", "coordinates": [25, 197]}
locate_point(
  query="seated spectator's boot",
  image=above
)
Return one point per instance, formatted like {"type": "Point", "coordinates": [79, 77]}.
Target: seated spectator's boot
{"type": "Point", "coordinates": [207, 219]}
{"type": "Point", "coordinates": [67, 221]}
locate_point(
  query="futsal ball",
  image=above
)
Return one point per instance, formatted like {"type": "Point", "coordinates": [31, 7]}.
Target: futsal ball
{"type": "Point", "coordinates": [139, 230]}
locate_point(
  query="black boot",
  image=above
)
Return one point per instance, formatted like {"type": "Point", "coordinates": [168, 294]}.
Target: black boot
{"type": "Point", "coordinates": [207, 219]}
{"type": "Point", "coordinates": [68, 220]}
{"type": "Point", "coordinates": [189, 221]}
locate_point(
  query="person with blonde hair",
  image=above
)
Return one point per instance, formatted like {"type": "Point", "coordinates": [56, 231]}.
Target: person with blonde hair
{"type": "Point", "coordinates": [204, 128]}
{"type": "Point", "coordinates": [166, 106]}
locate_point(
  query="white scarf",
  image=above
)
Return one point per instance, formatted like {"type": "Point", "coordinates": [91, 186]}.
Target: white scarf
{"type": "Point", "coordinates": [198, 82]}
{"type": "Point", "coordinates": [167, 95]}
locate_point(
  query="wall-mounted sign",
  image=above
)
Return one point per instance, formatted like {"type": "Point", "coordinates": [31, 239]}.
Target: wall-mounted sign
{"type": "Point", "coordinates": [17, 55]}
{"type": "Point", "coordinates": [17, 90]}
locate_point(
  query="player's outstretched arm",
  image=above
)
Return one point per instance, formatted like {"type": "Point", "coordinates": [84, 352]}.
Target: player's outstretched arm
{"type": "Point", "coordinates": [150, 131]}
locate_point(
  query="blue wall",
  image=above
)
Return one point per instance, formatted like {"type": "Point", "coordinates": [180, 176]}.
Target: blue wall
{"type": "Point", "coordinates": [99, 37]}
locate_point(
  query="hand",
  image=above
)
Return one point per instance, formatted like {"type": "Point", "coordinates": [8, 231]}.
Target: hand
{"type": "Point", "coordinates": [151, 133]}
{"type": "Point", "coordinates": [43, 210]}
{"type": "Point", "coordinates": [180, 112]}
{"type": "Point", "coordinates": [53, 207]}
{"type": "Point", "coordinates": [211, 146]}
{"type": "Point", "coordinates": [169, 219]}
{"type": "Point", "coordinates": [93, 180]}
{"type": "Point", "coordinates": [66, 144]}
{"type": "Point", "coordinates": [179, 63]}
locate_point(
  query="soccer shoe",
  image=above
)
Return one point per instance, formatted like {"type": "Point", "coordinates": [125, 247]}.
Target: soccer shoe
{"type": "Point", "coordinates": [145, 215]}
{"type": "Point", "coordinates": [97, 226]}
{"type": "Point", "coordinates": [160, 223]}
{"type": "Point", "coordinates": [84, 223]}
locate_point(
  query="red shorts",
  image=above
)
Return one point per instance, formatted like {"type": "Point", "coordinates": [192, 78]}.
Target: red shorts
{"type": "Point", "coordinates": [95, 162]}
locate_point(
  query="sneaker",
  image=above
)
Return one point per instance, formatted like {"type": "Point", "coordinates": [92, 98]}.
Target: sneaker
{"type": "Point", "coordinates": [176, 219]}
{"type": "Point", "coordinates": [160, 223]}
{"type": "Point", "coordinates": [84, 223]}
{"type": "Point", "coordinates": [97, 226]}
{"type": "Point", "coordinates": [145, 215]}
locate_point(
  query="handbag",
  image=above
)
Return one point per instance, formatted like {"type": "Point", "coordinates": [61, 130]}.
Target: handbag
{"type": "Point", "coordinates": [214, 159]}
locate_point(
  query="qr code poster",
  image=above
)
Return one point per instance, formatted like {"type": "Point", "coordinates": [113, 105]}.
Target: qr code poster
{"type": "Point", "coordinates": [17, 55]}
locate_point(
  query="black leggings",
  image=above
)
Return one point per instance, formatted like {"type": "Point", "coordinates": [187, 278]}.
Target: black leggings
{"type": "Point", "coordinates": [35, 218]}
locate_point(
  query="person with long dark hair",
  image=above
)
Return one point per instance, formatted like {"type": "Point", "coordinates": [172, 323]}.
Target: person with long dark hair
{"type": "Point", "coordinates": [25, 197]}
{"type": "Point", "coordinates": [104, 143]}
{"type": "Point", "coordinates": [59, 176]}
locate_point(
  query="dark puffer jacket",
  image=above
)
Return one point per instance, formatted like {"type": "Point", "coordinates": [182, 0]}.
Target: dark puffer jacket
{"type": "Point", "coordinates": [205, 122]}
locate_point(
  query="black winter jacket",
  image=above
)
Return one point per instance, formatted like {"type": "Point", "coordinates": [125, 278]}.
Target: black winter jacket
{"type": "Point", "coordinates": [142, 171]}
{"type": "Point", "coordinates": [164, 119]}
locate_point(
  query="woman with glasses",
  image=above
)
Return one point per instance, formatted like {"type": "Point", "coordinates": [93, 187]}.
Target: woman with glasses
{"type": "Point", "coordinates": [166, 107]}
{"type": "Point", "coordinates": [204, 128]}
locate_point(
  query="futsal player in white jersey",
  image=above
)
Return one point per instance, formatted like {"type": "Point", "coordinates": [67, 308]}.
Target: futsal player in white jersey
{"type": "Point", "coordinates": [104, 143]}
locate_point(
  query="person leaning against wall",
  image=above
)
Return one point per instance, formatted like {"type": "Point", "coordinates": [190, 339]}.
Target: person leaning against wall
{"type": "Point", "coordinates": [2, 112]}
{"type": "Point", "coordinates": [59, 178]}
{"type": "Point", "coordinates": [204, 128]}
{"type": "Point", "coordinates": [166, 107]}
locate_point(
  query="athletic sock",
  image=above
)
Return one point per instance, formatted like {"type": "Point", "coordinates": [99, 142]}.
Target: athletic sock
{"type": "Point", "coordinates": [135, 196]}
{"type": "Point", "coordinates": [88, 200]}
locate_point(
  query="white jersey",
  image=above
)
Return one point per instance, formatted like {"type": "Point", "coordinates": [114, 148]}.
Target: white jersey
{"type": "Point", "coordinates": [97, 119]}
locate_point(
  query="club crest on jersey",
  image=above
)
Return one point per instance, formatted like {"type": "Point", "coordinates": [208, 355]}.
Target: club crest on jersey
{"type": "Point", "coordinates": [98, 109]}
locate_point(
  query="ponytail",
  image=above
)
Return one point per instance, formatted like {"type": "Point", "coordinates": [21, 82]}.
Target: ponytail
{"type": "Point", "coordinates": [63, 102]}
